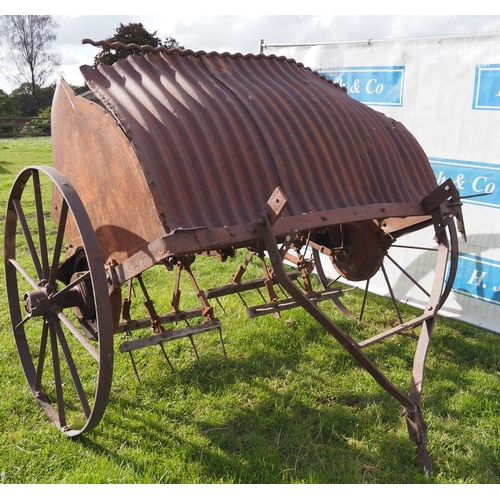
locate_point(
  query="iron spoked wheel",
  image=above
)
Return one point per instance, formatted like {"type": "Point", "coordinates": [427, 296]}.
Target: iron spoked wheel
{"type": "Point", "coordinates": [407, 273]}
{"type": "Point", "coordinates": [63, 331]}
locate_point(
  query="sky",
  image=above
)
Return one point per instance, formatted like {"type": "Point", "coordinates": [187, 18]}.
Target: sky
{"type": "Point", "coordinates": [222, 27]}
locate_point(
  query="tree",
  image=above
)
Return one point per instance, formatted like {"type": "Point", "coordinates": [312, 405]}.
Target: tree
{"type": "Point", "coordinates": [80, 89]}
{"type": "Point", "coordinates": [24, 100]}
{"type": "Point", "coordinates": [132, 33]}
{"type": "Point", "coordinates": [7, 105]}
{"type": "Point", "coordinates": [29, 39]}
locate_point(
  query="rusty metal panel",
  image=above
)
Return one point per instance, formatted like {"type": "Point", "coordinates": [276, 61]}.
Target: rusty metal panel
{"type": "Point", "coordinates": [92, 151]}
{"type": "Point", "coordinates": [216, 133]}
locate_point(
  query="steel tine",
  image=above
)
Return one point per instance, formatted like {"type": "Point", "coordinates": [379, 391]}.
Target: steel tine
{"type": "Point", "coordinates": [194, 349]}
{"type": "Point", "coordinates": [262, 295]}
{"type": "Point", "coordinates": [135, 368]}
{"type": "Point", "coordinates": [222, 342]}
{"type": "Point", "coordinates": [283, 291]}
{"type": "Point", "coordinates": [221, 306]}
{"type": "Point", "coordinates": [168, 359]}
{"type": "Point", "coordinates": [242, 299]}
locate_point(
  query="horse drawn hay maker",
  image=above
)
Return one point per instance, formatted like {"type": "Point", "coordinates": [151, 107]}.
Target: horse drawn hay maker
{"type": "Point", "coordinates": [181, 154]}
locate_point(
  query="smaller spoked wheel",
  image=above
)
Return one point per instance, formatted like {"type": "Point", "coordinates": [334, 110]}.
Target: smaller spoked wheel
{"type": "Point", "coordinates": [58, 300]}
{"type": "Point", "coordinates": [410, 269]}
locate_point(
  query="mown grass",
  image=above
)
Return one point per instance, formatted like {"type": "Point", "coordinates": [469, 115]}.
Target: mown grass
{"type": "Point", "coordinates": [288, 405]}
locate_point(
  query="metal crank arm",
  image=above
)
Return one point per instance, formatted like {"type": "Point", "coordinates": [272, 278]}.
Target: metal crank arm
{"type": "Point", "coordinates": [416, 426]}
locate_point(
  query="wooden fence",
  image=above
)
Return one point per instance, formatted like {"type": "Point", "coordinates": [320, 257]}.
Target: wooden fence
{"type": "Point", "coordinates": [24, 127]}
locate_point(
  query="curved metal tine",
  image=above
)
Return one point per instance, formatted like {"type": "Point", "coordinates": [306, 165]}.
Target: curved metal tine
{"type": "Point", "coordinates": [72, 368]}
{"type": "Point", "coordinates": [242, 299]}
{"type": "Point", "coordinates": [222, 342]}
{"type": "Point", "coordinates": [283, 291]}
{"type": "Point", "coordinates": [167, 358]}
{"type": "Point", "coordinates": [409, 276]}
{"type": "Point", "coordinates": [194, 349]}
{"type": "Point", "coordinates": [220, 305]}
{"type": "Point", "coordinates": [319, 268]}
{"type": "Point", "coordinates": [261, 295]}
{"type": "Point", "coordinates": [134, 367]}
{"type": "Point", "coordinates": [393, 298]}
{"type": "Point", "coordinates": [27, 235]}
{"type": "Point", "coordinates": [80, 337]}
{"type": "Point", "coordinates": [41, 356]}
{"type": "Point", "coordinates": [57, 377]}
{"type": "Point", "coordinates": [59, 241]}
{"type": "Point", "coordinates": [42, 236]}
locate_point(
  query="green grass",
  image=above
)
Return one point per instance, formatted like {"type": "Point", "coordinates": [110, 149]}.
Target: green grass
{"type": "Point", "coordinates": [288, 405]}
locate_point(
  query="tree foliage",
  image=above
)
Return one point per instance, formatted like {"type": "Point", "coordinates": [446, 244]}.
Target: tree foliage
{"type": "Point", "coordinates": [7, 105]}
{"type": "Point", "coordinates": [132, 33]}
{"type": "Point", "coordinates": [25, 102]}
{"type": "Point", "coordinates": [29, 38]}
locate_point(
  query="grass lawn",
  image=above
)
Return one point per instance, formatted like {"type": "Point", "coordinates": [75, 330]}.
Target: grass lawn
{"type": "Point", "coordinates": [288, 405]}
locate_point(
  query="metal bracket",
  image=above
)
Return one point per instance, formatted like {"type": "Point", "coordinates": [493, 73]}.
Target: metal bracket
{"type": "Point", "coordinates": [439, 195]}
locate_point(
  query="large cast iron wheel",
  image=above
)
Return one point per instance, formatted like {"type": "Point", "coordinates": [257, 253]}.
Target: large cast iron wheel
{"type": "Point", "coordinates": [63, 331]}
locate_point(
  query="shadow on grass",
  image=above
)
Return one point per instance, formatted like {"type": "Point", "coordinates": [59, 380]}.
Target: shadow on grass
{"type": "Point", "coordinates": [4, 164]}
{"type": "Point", "coordinates": [270, 434]}
{"type": "Point", "coordinates": [274, 412]}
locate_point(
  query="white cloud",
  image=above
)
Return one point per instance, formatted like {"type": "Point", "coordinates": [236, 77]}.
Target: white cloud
{"type": "Point", "coordinates": [241, 29]}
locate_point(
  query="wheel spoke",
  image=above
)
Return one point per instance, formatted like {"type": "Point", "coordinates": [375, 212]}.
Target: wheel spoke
{"type": "Point", "coordinates": [21, 323]}
{"type": "Point", "coordinates": [41, 223]}
{"type": "Point", "coordinates": [24, 273]}
{"type": "Point", "coordinates": [72, 369]}
{"type": "Point", "coordinates": [80, 337]}
{"type": "Point", "coordinates": [409, 276]}
{"type": "Point", "coordinates": [29, 239]}
{"type": "Point", "coordinates": [41, 356]}
{"type": "Point", "coordinates": [391, 291]}
{"type": "Point", "coordinates": [61, 292]}
{"type": "Point", "coordinates": [59, 241]}
{"type": "Point", "coordinates": [363, 303]}
{"type": "Point", "coordinates": [57, 377]}
{"type": "Point", "coordinates": [412, 247]}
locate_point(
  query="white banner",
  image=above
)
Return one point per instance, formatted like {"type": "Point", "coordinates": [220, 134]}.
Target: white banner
{"type": "Point", "coordinates": [446, 92]}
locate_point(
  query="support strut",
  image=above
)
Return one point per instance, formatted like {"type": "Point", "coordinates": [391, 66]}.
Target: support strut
{"type": "Point", "coordinates": [417, 428]}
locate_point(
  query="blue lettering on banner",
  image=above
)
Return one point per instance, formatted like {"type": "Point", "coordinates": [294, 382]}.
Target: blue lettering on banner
{"type": "Point", "coordinates": [478, 277]}
{"type": "Point", "coordinates": [471, 179]}
{"type": "Point", "coordinates": [487, 87]}
{"type": "Point", "coordinates": [372, 85]}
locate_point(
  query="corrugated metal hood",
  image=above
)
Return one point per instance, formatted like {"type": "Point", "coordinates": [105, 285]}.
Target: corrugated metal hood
{"type": "Point", "coordinates": [215, 134]}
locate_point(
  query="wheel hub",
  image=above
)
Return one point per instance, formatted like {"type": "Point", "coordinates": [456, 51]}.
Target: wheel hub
{"type": "Point", "coordinates": [365, 246]}
{"type": "Point", "coordinates": [44, 301]}
{"type": "Point", "coordinates": [37, 302]}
